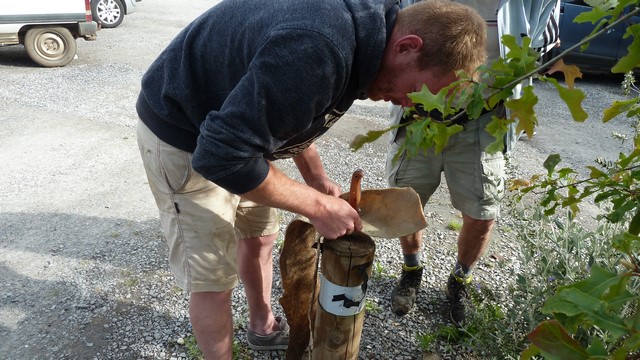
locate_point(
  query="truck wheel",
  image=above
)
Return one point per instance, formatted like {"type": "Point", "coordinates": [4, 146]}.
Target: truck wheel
{"type": "Point", "coordinates": [50, 47]}
{"type": "Point", "coordinates": [108, 13]}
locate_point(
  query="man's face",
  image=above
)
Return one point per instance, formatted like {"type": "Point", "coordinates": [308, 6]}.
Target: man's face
{"type": "Point", "coordinates": [399, 73]}
{"type": "Point", "coordinates": [393, 83]}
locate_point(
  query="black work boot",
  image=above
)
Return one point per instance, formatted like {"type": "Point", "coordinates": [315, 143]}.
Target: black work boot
{"type": "Point", "coordinates": [461, 305]}
{"type": "Point", "coordinates": [404, 294]}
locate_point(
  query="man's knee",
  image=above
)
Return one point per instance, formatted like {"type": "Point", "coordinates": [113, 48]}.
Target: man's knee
{"type": "Point", "coordinates": [477, 225]}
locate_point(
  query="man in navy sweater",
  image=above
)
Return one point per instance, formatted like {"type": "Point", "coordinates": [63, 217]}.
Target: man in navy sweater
{"type": "Point", "coordinates": [253, 81]}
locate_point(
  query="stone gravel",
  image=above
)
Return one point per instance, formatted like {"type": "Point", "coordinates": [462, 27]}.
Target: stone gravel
{"type": "Point", "coordinates": [83, 262]}
{"type": "Point", "coordinates": [81, 286]}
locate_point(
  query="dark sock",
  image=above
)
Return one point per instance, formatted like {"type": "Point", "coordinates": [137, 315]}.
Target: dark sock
{"type": "Point", "coordinates": [412, 260]}
{"type": "Point", "coordinates": [461, 270]}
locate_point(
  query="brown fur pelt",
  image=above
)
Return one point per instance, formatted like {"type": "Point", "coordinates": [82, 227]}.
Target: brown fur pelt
{"type": "Point", "coordinates": [298, 268]}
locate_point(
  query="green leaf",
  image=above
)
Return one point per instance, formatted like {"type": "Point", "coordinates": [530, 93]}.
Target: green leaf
{"type": "Point", "coordinates": [594, 299]}
{"type": "Point", "coordinates": [621, 208]}
{"type": "Point", "coordinates": [576, 302]}
{"type": "Point", "coordinates": [565, 172]}
{"type": "Point", "coordinates": [442, 133]}
{"type": "Point", "coordinates": [551, 162]}
{"type": "Point", "coordinates": [597, 349]}
{"type": "Point", "coordinates": [632, 59]}
{"type": "Point", "coordinates": [498, 128]}
{"type": "Point", "coordinates": [595, 172]}
{"type": "Point", "coordinates": [617, 108]}
{"type": "Point", "coordinates": [476, 105]}
{"type": "Point", "coordinates": [634, 225]}
{"type": "Point", "coordinates": [593, 16]}
{"type": "Point", "coordinates": [633, 112]}
{"type": "Point", "coordinates": [619, 354]}
{"type": "Point", "coordinates": [573, 98]}
{"type": "Point", "coordinates": [626, 243]}
{"type": "Point", "coordinates": [625, 160]}
{"type": "Point", "coordinates": [530, 352]}
{"type": "Point", "coordinates": [360, 140]}
{"type": "Point", "coordinates": [599, 281]}
{"type": "Point", "coordinates": [632, 343]}
{"type": "Point", "coordinates": [520, 59]}
{"type": "Point", "coordinates": [522, 109]}
{"type": "Point", "coordinates": [605, 195]}
{"type": "Point", "coordinates": [555, 343]}
{"type": "Point", "coordinates": [429, 100]}
{"type": "Point", "coordinates": [417, 137]}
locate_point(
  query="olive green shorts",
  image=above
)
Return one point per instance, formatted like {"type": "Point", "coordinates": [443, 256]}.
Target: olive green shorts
{"type": "Point", "coordinates": [475, 178]}
{"type": "Point", "coordinates": [201, 221]}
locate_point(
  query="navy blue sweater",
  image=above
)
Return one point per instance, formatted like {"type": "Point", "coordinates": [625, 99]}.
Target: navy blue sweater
{"type": "Point", "coordinates": [255, 80]}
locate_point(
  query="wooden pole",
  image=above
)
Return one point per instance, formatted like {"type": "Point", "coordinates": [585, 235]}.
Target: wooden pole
{"type": "Point", "coordinates": [345, 271]}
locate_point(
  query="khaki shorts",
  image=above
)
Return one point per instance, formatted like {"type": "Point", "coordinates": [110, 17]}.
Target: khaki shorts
{"type": "Point", "coordinates": [475, 178]}
{"type": "Point", "coordinates": [201, 221]}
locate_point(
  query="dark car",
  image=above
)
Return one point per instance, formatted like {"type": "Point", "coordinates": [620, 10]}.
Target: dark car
{"type": "Point", "coordinates": [603, 51]}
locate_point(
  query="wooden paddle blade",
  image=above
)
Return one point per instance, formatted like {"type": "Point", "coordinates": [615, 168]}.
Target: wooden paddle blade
{"type": "Point", "coordinates": [298, 269]}
{"type": "Point", "coordinates": [390, 213]}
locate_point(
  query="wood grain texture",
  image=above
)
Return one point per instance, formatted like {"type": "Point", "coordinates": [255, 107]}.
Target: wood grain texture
{"type": "Point", "coordinates": [298, 265]}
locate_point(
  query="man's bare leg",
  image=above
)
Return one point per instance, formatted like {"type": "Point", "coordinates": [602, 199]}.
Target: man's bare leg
{"type": "Point", "coordinates": [255, 268]}
{"type": "Point", "coordinates": [473, 240]}
{"type": "Point", "coordinates": [210, 314]}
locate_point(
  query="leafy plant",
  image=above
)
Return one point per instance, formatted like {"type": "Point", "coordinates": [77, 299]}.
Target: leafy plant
{"type": "Point", "coordinates": [554, 251]}
{"type": "Point", "coordinates": [446, 333]}
{"type": "Point", "coordinates": [371, 306]}
{"type": "Point", "coordinates": [377, 270]}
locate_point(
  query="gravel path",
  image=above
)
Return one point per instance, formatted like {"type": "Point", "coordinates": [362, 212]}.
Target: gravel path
{"type": "Point", "coordinates": [83, 263]}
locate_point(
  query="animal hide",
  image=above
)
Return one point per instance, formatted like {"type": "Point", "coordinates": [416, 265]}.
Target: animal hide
{"type": "Point", "coordinates": [298, 269]}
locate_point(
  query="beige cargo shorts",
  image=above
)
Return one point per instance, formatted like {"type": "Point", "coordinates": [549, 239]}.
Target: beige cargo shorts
{"type": "Point", "coordinates": [475, 178]}
{"type": "Point", "coordinates": [202, 222]}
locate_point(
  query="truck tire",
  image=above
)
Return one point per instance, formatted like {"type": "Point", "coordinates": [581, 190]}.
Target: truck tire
{"type": "Point", "coordinates": [50, 46]}
{"type": "Point", "coordinates": [107, 13]}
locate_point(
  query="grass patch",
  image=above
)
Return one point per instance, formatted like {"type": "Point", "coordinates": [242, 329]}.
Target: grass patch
{"type": "Point", "coordinates": [454, 224]}
{"type": "Point", "coordinates": [193, 351]}
{"type": "Point", "coordinates": [371, 306]}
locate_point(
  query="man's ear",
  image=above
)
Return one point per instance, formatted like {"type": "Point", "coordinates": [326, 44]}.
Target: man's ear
{"type": "Point", "coordinates": [408, 43]}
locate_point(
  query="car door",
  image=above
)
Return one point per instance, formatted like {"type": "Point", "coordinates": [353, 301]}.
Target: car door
{"type": "Point", "coordinates": [623, 46]}
{"type": "Point", "coordinates": [602, 51]}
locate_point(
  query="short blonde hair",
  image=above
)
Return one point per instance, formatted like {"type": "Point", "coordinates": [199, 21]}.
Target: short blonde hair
{"type": "Point", "coordinates": [454, 35]}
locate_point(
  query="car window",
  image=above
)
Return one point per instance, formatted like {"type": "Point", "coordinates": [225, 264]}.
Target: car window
{"type": "Point", "coordinates": [605, 45]}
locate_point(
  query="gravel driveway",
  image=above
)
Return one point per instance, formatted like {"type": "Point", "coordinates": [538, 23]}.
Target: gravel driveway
{"type": "Point", "coordinates": [83, 266]}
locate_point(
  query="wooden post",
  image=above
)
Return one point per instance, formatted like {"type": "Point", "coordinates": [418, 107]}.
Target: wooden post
{"type": "Point", "coordinates": [345, 270]}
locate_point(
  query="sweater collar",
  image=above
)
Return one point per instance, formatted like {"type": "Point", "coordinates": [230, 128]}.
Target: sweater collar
{"type": "Point", "coordinates": [372, 33]}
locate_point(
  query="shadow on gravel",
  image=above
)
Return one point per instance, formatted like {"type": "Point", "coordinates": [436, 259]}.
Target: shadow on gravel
{"type": "Point", "coordinates": [86, 287]}
{"type": "Point", "coordinates": [80, 237]}
{"type": "Point", "coordinates": [15, 55]}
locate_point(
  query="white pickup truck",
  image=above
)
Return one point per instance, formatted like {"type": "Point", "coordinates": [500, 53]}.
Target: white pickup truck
{"type": "Point", "coordinates": [47, 29]}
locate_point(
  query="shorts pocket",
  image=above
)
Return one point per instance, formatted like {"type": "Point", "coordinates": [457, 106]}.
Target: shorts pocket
{"type": "Point", "coordinates": [175, 166]}
{"type": "Point", "coordinates": [493, 177]}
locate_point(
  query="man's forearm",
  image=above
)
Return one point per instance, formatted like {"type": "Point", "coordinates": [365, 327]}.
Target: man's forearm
{"type": "Point", "coordinates": [331, 215]}
{"type": "Point", "coordinates": [280, 191]}
{"type": "Point", "coordinates": [310, 165]}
